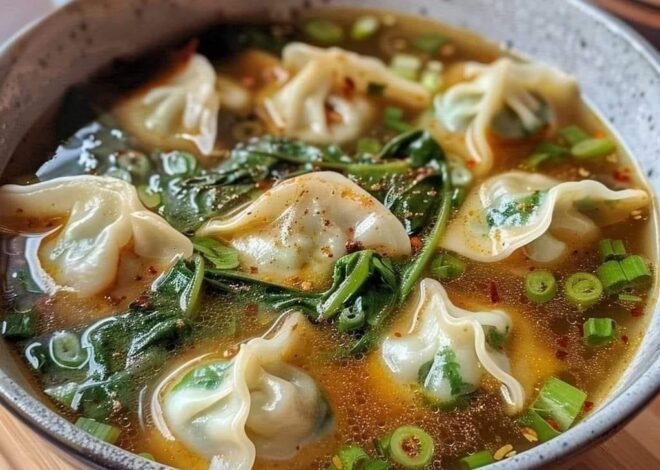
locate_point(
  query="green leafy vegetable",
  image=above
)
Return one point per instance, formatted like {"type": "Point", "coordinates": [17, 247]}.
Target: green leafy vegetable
{"type": "Point", "coordinates": [222, 256]}
{"type": "Point", "coordinates": [560, 402]}
{"type": "Point", "coordinates": [509, 211]}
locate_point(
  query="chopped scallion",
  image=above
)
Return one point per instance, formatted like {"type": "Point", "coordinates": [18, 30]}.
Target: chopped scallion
{"type": "Point", "coordinates": [365, 27]}
{"type": "Point", "coordinates": [66, 351]}
{"type": "Point", "coordinates": [411, 447]}
{"type": "Point", "coordinates": [560, 402]}
{"type": "Point", "coordinates": [19, 325]}
{"type": "Point", "coordinates": [150, 199]}
{"type": "Point", "coordinates": [598, 331]}
{"type": "Point", "coordinates": [324, 31]}
{"type": "Point", "coordinates": [430, 43]}
{"type": "Point", "coordinates": [544, 431]}
{"type": "Point", "coordinates": [351, 319]}
{"type": "Point", "coordinates": [430, 80]}
{"type": "Point", "coordinates": [101, 431]}
{"type": "Point", "coordinates": [629, 298]}
{"type": "Point", "coordinates": [446, 266]}
{"type": "Point", "coordinates": [477, 460]}
{"type": "Point", "coordinates": [540, 286]}
{"type": "Point", "coordinates": [583, 290]}
{"type": "Point", "coordinates": [612, 277]}
{"type": "Point", "coordinates": [406, 66]}
{"type": "Point", "coordinates": [611, 249]}
{"type": "Point", "coordinates": [636, 271]}
{"type": "Point", "coordinates": [147, 455]}
{"type": "Point", "coordinates": [375, 464]}
{"type": "Point", "coordinates": [573, 135]}
{"type": "Point", "coordinates": [593, 148]}
{"type": "Point", "coordinates": [349, 458]}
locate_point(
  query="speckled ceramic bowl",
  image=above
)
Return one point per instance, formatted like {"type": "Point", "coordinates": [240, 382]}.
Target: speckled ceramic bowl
{"type": "Point", "coordinates": [619, 73]}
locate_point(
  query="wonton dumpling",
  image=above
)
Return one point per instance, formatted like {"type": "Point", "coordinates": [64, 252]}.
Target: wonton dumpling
{"type": "Point", "coordinates": [102, 216]}
{"type": "Point", "coordinates": [178, 111]}
{"type": "Point", "coordinates": [453, 342]}
{"type": "Point", "coordinates": [254, 404]}
{"type": "Point", "coordinates": [300, 108]}
{"type": "Point", "coordinates": [515, 209]}
{"type": "Point", "coordinates": [298, 229]}
{"type": "Point", "coordinates": [470, 107]}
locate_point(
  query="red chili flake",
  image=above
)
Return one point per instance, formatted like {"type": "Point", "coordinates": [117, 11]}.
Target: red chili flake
{"type": "Point", "coordinates": [138, 278]}
{"type": "Point", "coordinates": [397, 334]}
{"type": "Point", "coordinates": [637, 312]}
{"type": "Point", "coordinates": [622, 175]}
{"type": "Point", "coordinates": [254, 270]}
{"type": "Point", "coordinates": [152, 270]}
{"type": "Point", "coordinates": [416, 244]}
{"type": "Point", "coordinates": [588, 405]}
{"type": "Point", "coordinates": [349, 86]}
{"type": "Point", "coordinates": [562, 342]}
{"type": "Point", "coordinates": [624, 338]}
{"type": "Point", "coordinates": [470, 164]}
{"type": "Point", "coordinates": [561, 355]}
{"type": "Point", "coordinates": [494, 295]}
{"type": "Point", "coordinates": [553, 424]}
{"type": "Point", "coordinates": [353, 246]}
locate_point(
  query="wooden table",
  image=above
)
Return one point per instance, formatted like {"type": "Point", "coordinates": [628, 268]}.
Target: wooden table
{"type": "Point", "coordinates": [636, 447]}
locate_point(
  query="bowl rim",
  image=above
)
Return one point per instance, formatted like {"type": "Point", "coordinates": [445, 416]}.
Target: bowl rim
{"type": "Point", "coordinates": [74, 442]}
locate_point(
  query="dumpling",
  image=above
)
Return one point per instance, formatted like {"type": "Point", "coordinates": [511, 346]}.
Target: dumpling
{"type": "Point", "coordinates": [534, 93]}
{"type": "Point", "coordinates": [517, 209]}
{"type": "Point", "coordinates": [177, 111]}
{"type": "Point", "coordinates": [298, 229]}
{"type": "Point", "coordinates": [325, 101]}
{"type": "Point", "coordinates": [445, 349]}
{"type": "Point", "coordinates": [253, 405]}
{"type": "Point", "coordinates": [101, 217]}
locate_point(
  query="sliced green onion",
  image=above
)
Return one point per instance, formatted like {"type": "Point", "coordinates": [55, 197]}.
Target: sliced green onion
{"type": "Point", "coordinates": [430, 80]}
{"type": "Point", "coordinates": [598, 331]}
{"type": "Point", "coordinates": [63, 394]}
{"type": "Point", "coordinates": [411, 447]}
{"type": "Point", "coordinates": [147, 455]}
{"type": "Point", "coordinates": [324, 31]}
{"type": "Point", "coordinates": [430, 43]}
{"type": "Point", "coordinates": [635, 269]}
{"type": "Point", "coordinates": [593, 148]}
{"type": "Point", "coordinates": [460, 176]}
{"type": "Point", "coordinates": [393, 119]}
{"type": "Point", "coordinates": [150, 199]}
{"type": "Point", "coordinates": [629, 298]}
{"type": "Point", "coordinates": [406, 66]}
{"type": "Point", "coordinates": [560, 402]}
{"type": "Point", "coordinates": [611, 249]}
{"type": "Point", "coordinates": [369, 145]}
{"type": "Point", "coordinates": [351, 319]}
{"type": "Point", "coordinates": [612, 277]}
{"type": "Point", "coordinates": [540, 286]}
{"type": "Point", "coordinates": [583, 290]}
{"type": "Point", "coordinates": [375, 464]}
{"type": "Point", "coordinates": [350, 458]}
{"type": "Point", "coordinates": [101, 431]}
{"type": "Point", "coordinates": [573, 135]}
{"type": "Point", "coordinates": [178, 163]}
{"type": "Point", "coordinates": [544, 431]}
{"type": "Point", "coordinates": [375, 89]}
{"type": "Point", "coordinates": [382, 445]}
{"type": "Point", "coordinates": [35, 354]}
{"type": "Point", "coordinates": [365, 27]}
{"type": "Point", "coordinates": [66, 351]}
{"type": "Point", "coordinates": [546, 152]}
{"type": "Point", "coordinates": [136, 163]}
{"type": "Point", "coordinates": [19, 325]}
{"type": "Point", "coordinates": [446, 266]}
{"type": "Point", "coordinates": [477, 460]}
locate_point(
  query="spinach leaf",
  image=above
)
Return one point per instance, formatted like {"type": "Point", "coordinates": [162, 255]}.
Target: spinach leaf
{"type": "Point", "coordinates": [413, 203]}
{"type": "Point", "coordinates": [208, 377]}
{"type": "Point", "coordinates": [418, 146]}
{"type": "Point", "coordinates": [222, 256]}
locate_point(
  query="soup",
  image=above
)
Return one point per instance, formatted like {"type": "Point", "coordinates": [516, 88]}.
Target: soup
{"type": "Point", "coordinates": [353, 240]}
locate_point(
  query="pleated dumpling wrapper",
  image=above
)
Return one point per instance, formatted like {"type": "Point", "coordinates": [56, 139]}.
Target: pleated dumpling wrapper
{"type": "Point", "coordinates": [299, 228]}
{"type": "Point", "coordinates": [334, 80]}
{"type": "Point", "coordinates": [179, 110]}
{"type": "Point", "coordinates": [253, 405]}
{"type": "Point", "coordinates": [531, 94]}
{"type": "Point", "coordinates": [519, 209]}
{"type": "Point", "coordinates": [100, 217]}
{"type": "Point", "coordinates": [445, 350]}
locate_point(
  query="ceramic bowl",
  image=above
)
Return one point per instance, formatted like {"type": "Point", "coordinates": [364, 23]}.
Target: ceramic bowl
{"type": "Point", "coordinates": [619, 73]}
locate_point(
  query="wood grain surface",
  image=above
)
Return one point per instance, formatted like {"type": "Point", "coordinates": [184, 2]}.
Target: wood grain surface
{"type": "Point", "coordinates": [636, 447]}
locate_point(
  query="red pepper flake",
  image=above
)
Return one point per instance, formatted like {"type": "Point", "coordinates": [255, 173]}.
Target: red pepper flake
{"type": "Point", "coordinates": [562, 342]}
{"type": "Point", "coordinates": [624, 338]}
{"type": "Point", "coordinates": [553, 424]}
{"type": "Point", "coordinates": [353, 246]}
{"type": "Point", "coordinates": [415, 244]}
{"type": "Point", "coordinates": [494, 295]}
{"type": "Point", "coordinates": [622, 175]}
{"type": "Point", "coordinates": [637, 312]}
{"type": "Point", "coordinates": [138, 278]}
{"type": "Point", "coordinates": [152, 270]}
{"type": "Point", "coordinates": [588, 406]}
{"type": "Point", "coordinates": [349, 87]}
{"type": "Point", "coordinates": [561, 355]}
{"type": "Point", "coordinates": [254, 270]}
{"type": "Point", "coordinates": [397, 334]}
{"type": "Point", "coordinates": [470, 164]}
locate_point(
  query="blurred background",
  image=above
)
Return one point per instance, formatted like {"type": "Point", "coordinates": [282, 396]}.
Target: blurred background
{"type": "Point", "coordinates": [643, 15]}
